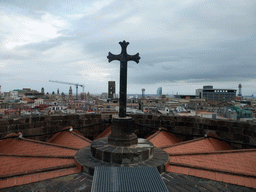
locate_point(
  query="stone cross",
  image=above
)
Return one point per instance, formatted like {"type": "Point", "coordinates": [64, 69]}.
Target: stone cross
{"type": "Point", "coordinates": [123, 57]}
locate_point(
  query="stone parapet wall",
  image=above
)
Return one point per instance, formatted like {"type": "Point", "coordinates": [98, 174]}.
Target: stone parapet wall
{"type": "Point", "coordinates": [46, 124]}
{"type": "Point", "coordinates": [229, 130]}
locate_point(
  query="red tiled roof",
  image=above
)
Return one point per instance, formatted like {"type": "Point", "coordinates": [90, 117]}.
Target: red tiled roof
{"type": "Point", "coordinates": [150, 134]}
{"type": "Point", "coordinates": [31, 178]}
{"type": "Point", "coordinates": [233, 166]}
{"type": "Point", "coordinates": [198, 112]}
{"type": "Point", "coordinates": [24, 161]}
{"type": "Point", "coordinates": [233, 161]}
{"type": "Point", "coordinates": [16, 166]}
{"type": "Point", "coordinates": [222, 177]}
{"type": "Point", "coordinates": [70, 139]}
{"type": "Point", "coordinates": [27, 146]}
{"type": "Point", "coordinates": [197, 145]}
{"type": "Point", "coordinates": [28, 100]}
{"type": "Point", "coordinates": [163, 138]}
{"type": "Point", "coordinates": [105, 133]}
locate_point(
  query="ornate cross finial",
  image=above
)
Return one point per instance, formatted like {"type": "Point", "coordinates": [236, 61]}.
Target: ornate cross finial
{"type": "Point", "coordinates": [123, 57]}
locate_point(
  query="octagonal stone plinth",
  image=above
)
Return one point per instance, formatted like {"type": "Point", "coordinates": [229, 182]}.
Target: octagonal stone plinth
{"type": "Point", "coordinates": [103, 151]}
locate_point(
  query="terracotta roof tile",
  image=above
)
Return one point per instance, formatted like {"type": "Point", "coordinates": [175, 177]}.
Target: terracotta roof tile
{"type": "Point", "coordinates": [27, 99]}
{"type": "Point", "coordinates": [31, 178]}
{"type": "Point", "coordinates": [233, 166]}
{"type": "Point", "coordinates": [28, 147]}
{"type": "Point", "coordinates": [70, 139]}
{"type": "Point", "coordinates": [26, 161]}
{"type": "Point", "coordinates": [150, 136]}
{"type": "Point", "coordinates": [253, 181]}
{"type": "Point", "coordinates": [197, 145]}
{"type": "Point", "coordinates": [162, 138]}
{"type": "Point", "coordinates": [78, 134]}
{"type": "Point", "coordinates": [105, 133]}
{"type": "Point", "coordinates": [217, 176]}
{"type": "Point", "coordinates": [15, 166]}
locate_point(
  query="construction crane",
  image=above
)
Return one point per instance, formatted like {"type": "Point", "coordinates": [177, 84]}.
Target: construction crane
{"type": "Point", "coordinates": [76, 84]}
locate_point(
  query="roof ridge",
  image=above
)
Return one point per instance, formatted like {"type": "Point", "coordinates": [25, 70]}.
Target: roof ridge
{"type": "Point", "coordinates": [55, 136]}
{"type": "Point", "coordinates": [171, 136]}
{"type": "Point", "coordinates": [36, 156]}
{"type": "Point", "coordinates": [103, 133]}
{"type": "Point", "coordinates": [46, 143]}
{"type": "Point", "coordinates": [37, 171]}
{"type": "Point", "coordinates": [183, 142]}
{"type": "Point", "coordinates": [212, 169]}
{"type": "Point", "coordinates": [153, 135]}
{"type": "Point", "coordinates": [215, 147]}
{"type": "Point", "coordinates": [213, 152]}
{"type": "Point", "coordinates": [81, 137]}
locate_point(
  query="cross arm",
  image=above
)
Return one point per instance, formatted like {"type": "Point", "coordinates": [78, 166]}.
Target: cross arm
{"type": "Point", "coordinates": [135, 58]}
{"type": "Point", "coordinates": [112, 57]}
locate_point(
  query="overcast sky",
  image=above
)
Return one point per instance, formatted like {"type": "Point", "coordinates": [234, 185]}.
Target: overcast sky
{"type": "Point", "coordinates": [183, 45]}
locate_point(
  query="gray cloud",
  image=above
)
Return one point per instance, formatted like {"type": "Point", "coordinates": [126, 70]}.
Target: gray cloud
{"type": "Point", "coordinates": [201, 41]}
{"type": "Point", "coordinates": [31, 4]}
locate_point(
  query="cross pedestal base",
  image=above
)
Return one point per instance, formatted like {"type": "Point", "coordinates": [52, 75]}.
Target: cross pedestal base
{"type": "Point", "coordinates": [102, 154]}
{"type": "Point", "coordinates": [122, 132]}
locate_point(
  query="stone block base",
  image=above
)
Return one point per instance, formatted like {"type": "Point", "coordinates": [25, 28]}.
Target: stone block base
{"type": "Point", "coordinates": [128, 140]}
{"type": "Point", "coordinates": [102, 150]}
{"type": "Point", "coordinates": [88, 163]}
{"type": "Point", "coordinates": [122, 132]}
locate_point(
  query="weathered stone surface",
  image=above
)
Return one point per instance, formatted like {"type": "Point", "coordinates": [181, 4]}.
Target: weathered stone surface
{"type": "Point", "coordinates": [174, 182]}
{"type": "Point", "coordinates": [48, 124]}
{"type": "Point", "coordinates": [84, 157]}
{"type": "Point", "coordinates": [45, 124]}
{"type": "Point", "coordinates": [122, 132]}
{"type": "Point", "coordinates": [102, 150]}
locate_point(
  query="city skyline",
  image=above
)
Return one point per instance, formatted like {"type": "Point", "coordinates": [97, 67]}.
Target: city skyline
{"type": "Point", "coordinates": [117, 93]}
{"type": "Point", "coordinates": [183, 45]}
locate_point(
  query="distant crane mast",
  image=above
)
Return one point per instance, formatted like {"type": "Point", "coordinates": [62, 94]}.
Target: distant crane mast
{"type": "Point", "coordinates": [76, 84]}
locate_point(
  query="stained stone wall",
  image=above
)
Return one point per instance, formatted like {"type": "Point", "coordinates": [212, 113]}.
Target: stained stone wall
{"type": "Point", "coordinates": [230, 130]}
{"type": "Point", "coordinates": [46, 124]}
